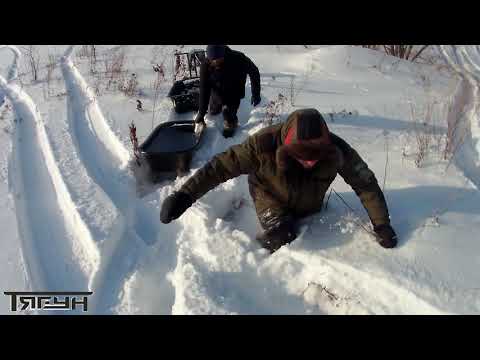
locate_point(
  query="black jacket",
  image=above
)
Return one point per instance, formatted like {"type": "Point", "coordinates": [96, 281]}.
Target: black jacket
{"type": "Point", "coordinates": [233, 79]}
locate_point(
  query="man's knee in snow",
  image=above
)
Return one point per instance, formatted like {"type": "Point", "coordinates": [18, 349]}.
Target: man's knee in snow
{"type": "Point", "coordinates": [279, 230]}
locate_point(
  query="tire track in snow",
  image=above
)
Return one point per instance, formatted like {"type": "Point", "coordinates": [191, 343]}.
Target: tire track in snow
{"type": "Point", "coordinates": [57, 246]}
{"type": "Point", "coordinates": [94, 206]}
{"type": "Point", "coordinates": [466, 63]}
{"type": "Point", "coordinates": [14, 270]}
{"type": "Point", "coordinates": [106, 161]}
{"type": "Point", "coordinates": [13, 69]}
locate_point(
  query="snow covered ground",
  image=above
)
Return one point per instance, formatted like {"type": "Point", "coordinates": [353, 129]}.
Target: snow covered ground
{"type": "Point", "coordinates": [71, 218]}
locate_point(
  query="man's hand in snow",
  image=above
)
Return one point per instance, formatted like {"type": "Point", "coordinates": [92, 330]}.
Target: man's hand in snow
{"type": "Point", "coordinates": [200, 119]}
{"type": "Point", "coordinates": [387, 236]}
{"type": "Point", "coordinates": [174, 206]}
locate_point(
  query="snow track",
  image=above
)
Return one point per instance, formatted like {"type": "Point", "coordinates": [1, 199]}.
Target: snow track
{"type": "Point", "coordinates": [13, 70]}
{"type": "Point", "coordinates": [465, 61]}
{"type": "Point", "coordinates": [106, 160]}
{"type": "Point", "coordinates": [57, 245]}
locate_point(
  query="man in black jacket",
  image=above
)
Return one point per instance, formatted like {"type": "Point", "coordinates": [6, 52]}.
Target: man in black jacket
{"type": "Point", "coordinates": [223, 76]}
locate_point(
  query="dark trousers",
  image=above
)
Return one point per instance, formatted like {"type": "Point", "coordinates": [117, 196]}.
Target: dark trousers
{"type": "Point", "coordinates": [279, 230]}
{"type": "Point", "coordinates": [228, 108]}
{"type": "Point", "coordinates": [277, 222]}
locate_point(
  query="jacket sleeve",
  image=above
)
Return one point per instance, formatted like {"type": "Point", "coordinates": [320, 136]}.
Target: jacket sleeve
{"type": "Point", "coordinates": [237, 160]}
{"type": "Point", "coordinates": [205, 90]}
{"type": "Point", "coordinates": [356, 173]}
{"type": "Point", "coordinates": [254, 74]}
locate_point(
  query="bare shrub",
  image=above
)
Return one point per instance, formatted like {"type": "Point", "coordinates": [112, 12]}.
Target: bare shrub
{"type": "Point", "coordinates": [33, 61]}
{"type": "Point", "coordinates": [134, 141]}
{"type": "Point", "coordinates": [155, 54]}
{"type": "Point", "coordinates": [92, 59]}
{"type": "Point", "coordinates": [296, 90]}
{"type": "Point", "coordinates": [274, 109]}
{"type": "Point", "coordinates": [115, 68]}
{"type": "Point", "coordinates": [21, 78]}
{"type": "Point", "coordinates": [371, 47]}
{"type": "Point", "coordinates": [456, 131]}
{"type": "Point", "coordinates": [44, 92]}
{"type": "Point", "coordinates": [130, 87]}
{"type": "Point", "coordinates": [385, 134]}
{"type": "Point", "coordinates": [4, 108]}
{"type": "Point", "coordinates": [180, 68]}
{"type": "Point", "coordinates": [292, 90]}
{"type": "Point", "coordinates": [423, 144]}
{"type": "Point", "coordinates": [159, 54]}
{"type": "Point", "coordinates": [406, 52]}
{"type": "Point", "coordinates": [83, 51]}
{"type": "Point", "coordinates": [51, 65]}
{"type": "Point", "coordinates": [428, 136]}
{"type": "Point", "coordinates": [88, 52]}
{"type": "Point", "coordinates": [97, 86]}
{"type": "Point", "coordinates": [156, 86]}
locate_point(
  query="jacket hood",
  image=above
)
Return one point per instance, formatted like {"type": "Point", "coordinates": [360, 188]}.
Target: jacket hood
{"type": "Point", "coordinates": [308, 138]}
{"type": "Point", "coordinates": [307, 124]}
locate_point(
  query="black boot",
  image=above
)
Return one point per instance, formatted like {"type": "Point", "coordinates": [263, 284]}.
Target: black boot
{"type": "Point", "coordinates": [229, 128]}
{"type": "Point", "coordinates": [230, 122]}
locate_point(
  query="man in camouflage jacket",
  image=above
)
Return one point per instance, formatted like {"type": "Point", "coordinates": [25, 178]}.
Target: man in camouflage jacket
{"type": "Point", "coordinates": [290, 167]}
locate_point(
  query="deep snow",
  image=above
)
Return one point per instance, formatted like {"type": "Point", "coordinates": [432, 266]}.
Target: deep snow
{"type": "Point", "coordinates": [73, 220]}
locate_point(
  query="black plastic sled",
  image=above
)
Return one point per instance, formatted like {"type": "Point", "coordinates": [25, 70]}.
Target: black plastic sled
{"type": "Point", "coordinates": [169, 149]}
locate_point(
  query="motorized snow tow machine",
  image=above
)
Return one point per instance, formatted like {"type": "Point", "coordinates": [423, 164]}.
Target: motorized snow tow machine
{"type": "Point", "coordinates": [167, 152]}
{"type": "Point", "coordinates": [185, 92]}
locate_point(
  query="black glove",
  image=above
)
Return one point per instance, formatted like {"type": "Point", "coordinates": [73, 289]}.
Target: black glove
{"type": "Point", "coordinates": [387, 236]}
{"type": "Point", "coordinates": [255, 100]}
{"type": "Point", "coordinates": [200, 118]}
{"type": "Point", "coordinates": [174, 206]}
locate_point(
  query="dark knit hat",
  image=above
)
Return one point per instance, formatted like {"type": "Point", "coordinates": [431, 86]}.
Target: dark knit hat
{"type": "Point", "coordinates": [215, 51]}
{"type": "Point", "coordinates": [305, 136]}
{"type": "Point", "coordinates": [305, 124]}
